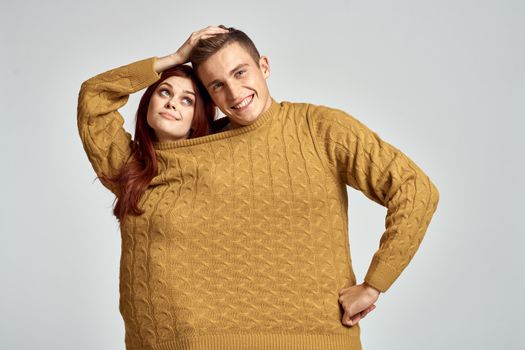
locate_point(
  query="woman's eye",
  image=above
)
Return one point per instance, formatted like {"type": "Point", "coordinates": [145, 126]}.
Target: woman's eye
{"type": "Point", "coordinates": [164, 92]}
{"type": "Point", "coordinates": [240, 73]}
{"type": "Point", "coordinates": [217, 86]}
{"type": "Point", "coordinates": [187, 101]}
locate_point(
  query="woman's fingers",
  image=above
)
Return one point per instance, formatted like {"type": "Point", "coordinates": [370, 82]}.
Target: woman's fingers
{"type": "Point", "coordinates": [207, 32]}
{"type": "Point", "coordinates": [206, 36]}
{"type": "Point", "coordinates": [183, 53]}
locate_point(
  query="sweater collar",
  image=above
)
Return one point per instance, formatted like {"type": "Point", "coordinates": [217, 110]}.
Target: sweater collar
{"type": "Point", "coordinates": [263, 118]}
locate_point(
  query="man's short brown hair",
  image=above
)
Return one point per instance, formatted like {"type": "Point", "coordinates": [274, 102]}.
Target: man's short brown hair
{"type": "Point", "coordinates": [205, 48]}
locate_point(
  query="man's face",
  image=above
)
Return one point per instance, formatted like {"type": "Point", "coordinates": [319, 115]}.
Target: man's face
{"type": "Point", "coordinates": [237, 84]}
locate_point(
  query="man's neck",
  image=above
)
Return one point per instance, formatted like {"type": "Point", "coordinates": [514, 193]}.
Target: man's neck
{"type": "Point", "coordinates": [234, 125]}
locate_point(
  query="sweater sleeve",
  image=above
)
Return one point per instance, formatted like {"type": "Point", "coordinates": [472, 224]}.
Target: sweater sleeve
{"type": "Point", "coordinates": [359, 157]}
{"type": "Point", "coordinates": [100, 125]}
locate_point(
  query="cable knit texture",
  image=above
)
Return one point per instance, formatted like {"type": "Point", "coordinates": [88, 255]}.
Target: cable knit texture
{"type": "Point", "coordinates": [244, 241]}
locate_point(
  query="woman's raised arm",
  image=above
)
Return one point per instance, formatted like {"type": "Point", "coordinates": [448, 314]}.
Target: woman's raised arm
{"type": "Point", "coordinates": [100, 125]}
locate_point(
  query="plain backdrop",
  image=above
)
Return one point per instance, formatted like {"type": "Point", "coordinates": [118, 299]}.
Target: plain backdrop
{"type": "Point", "coordinates": [442, 80]}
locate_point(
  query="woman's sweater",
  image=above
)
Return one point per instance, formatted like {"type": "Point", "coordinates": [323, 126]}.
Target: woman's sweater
{"type": "Point", "coordinates": [244, 240]}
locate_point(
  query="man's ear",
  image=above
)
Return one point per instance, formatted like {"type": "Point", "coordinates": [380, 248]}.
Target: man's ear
{"type": "Point", "coordinates": [264, 65]}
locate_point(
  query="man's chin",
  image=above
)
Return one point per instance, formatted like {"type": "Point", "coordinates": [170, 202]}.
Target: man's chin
{"type": "Point", "coordinates": [237, 122]}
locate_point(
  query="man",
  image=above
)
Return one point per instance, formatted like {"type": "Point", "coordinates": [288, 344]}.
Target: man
{"type": "Point", "coordinates": [234, 74]}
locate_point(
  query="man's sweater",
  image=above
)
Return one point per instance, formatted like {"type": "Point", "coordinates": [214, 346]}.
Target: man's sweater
{"type": "Point", "coordinates": [244, 241]}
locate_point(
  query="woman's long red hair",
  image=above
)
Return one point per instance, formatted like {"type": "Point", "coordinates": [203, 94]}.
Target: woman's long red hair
{"type": "Point", "coordinates": [135, 176]}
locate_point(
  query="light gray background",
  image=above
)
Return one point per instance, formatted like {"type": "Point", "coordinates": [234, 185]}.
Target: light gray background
{"type": "Point", "coordinates": [441, 80]}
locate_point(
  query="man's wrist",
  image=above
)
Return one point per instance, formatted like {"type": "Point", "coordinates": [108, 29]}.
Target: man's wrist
{"type": "Point", "coordinates": [371, 288]}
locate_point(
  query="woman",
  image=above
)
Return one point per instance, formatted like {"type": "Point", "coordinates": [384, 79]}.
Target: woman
{"type": "Point", "coordinates": [174, 107]}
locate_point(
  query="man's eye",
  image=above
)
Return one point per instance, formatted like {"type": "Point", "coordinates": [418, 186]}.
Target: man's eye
{"type": "Point", "coordinates": [240, 73]}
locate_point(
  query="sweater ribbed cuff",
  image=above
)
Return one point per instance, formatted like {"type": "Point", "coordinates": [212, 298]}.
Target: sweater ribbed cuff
{"type": "Point", "coordinates": [380, 275]}
{"type": "Point", "coordinates": [143, 73]}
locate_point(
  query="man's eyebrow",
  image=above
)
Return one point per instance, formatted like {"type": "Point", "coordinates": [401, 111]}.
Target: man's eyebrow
{"type": "Point", "coordinates": [231, 73]}
{"type": "Point", "coordinates": [236, 68]}
{"type": "Point", "coordinates": [186, 91]}
{"type": "Point", "coordinates": [213, 82]}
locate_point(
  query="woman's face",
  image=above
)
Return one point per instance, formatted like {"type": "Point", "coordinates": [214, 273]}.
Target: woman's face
{"type": "Point", "coordinates": [171, 107]}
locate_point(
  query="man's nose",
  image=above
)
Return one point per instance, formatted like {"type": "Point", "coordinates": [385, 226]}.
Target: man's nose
{"type": "Point", "coordinates": [233, 91]}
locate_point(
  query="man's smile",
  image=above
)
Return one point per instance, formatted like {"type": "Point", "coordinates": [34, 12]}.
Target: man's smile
{"type": "Point", "coordinates": [243, 104]}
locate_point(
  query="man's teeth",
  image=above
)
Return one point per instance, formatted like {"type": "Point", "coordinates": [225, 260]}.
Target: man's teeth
{"type": "Point", "coordinates": [243, 103]}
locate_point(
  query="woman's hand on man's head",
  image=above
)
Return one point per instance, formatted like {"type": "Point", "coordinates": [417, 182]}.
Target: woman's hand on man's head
{"type": "Point", "coordinates": [183, 53]}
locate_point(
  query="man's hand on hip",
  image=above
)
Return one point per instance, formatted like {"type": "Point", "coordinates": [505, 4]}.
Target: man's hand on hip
{"type": "Point", "coordinates": [357, 301]}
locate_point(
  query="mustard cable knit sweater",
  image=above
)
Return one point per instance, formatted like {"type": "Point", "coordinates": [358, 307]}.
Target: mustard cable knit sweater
{"type": "Point", "coordinates": [244, 241]}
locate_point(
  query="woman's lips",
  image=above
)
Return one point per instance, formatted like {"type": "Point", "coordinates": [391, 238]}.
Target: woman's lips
{"type": "Point", "coordinates": [168, 116]}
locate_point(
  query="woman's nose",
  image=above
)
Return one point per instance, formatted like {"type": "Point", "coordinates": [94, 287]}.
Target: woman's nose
{"type": "Point", "coordinates": [171, 104]}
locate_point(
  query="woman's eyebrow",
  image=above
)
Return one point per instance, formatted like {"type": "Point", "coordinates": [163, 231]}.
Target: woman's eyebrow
{"type": "Point", "coordinates": [186, 91]}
